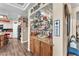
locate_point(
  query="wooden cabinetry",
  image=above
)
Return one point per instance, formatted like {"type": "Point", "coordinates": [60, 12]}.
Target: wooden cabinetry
{"type": "Point", "coordinates": [46, 49]}
{"type": "Point", "coordinates": [40, 48]}
{"type": "Point", "coordinates": [32, 45]}
{"type": "Point", "coordinates": [37, 47]}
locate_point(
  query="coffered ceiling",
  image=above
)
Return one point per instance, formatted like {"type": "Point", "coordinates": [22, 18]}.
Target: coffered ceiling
{"type": "Point", "coordinates": [14, 10]}
{"type": "Point", "coordinates": [21, 6]}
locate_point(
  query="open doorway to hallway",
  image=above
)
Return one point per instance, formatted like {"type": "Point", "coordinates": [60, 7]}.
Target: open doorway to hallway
{"type": "Point", "coordinates": [13, 29]}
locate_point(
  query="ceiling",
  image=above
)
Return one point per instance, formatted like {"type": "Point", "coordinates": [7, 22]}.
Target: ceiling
{"type": "Point", "coordinates": [74, 5]}
{"type": "Point", "coordinates": [14, 10]}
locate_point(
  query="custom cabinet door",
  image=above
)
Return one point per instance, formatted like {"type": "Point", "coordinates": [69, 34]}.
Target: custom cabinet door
{"type": "Point", "coordinates": [46, 50]}
{"type": "Point", "coordinates": [37, 47]}
{"type": "Point", "coordinates": [32, 45]}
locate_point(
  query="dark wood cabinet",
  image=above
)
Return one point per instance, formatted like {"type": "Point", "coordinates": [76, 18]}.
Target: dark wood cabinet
{"type": "Point", "coordinates": [40, 48]}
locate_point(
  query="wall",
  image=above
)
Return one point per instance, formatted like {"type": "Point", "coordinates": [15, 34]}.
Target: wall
{"type": "Point", "coordinates": [24, 32]}
{"type": "Point", "coordinates": [74, 20]}
{"type": "Point", "coordinates": [58, 41]}
{"type": "Point", "coordinates": [25, 35]}
{"type": "Point", "coordinates": [74, 10]}
{"type": "Point", "coordinates": [6, 25]}
{"type": "Point", "coordinates": [15, 29]}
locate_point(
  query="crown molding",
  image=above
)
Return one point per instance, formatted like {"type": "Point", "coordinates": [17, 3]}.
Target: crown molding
{"type": "Point", "coordinates": [17, 6]}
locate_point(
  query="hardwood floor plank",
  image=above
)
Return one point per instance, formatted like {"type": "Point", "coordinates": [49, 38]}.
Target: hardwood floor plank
{"type": "Point", "coordinates": [14, 48]}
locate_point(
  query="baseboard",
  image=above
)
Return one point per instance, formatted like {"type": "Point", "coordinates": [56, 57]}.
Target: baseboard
{"type": "Point", "coordinates": [13, 38]}
{"type": "Point", "coordinates": [24, 41]}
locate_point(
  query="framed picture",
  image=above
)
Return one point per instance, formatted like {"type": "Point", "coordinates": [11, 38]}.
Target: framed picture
{"type": "Point", "coordinates": [57, 28]}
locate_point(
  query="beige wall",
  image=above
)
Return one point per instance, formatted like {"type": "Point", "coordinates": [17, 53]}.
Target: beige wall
{"type": "Point", "coordinates": [58, 41]}
{"type": "Point", "coordinates": [74, 10]}
{"type": "Point", "coordinates": [75, 22]}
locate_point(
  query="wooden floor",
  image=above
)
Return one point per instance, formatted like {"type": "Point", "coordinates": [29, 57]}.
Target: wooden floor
{"type": "Point", "coordinates": [14, 48]}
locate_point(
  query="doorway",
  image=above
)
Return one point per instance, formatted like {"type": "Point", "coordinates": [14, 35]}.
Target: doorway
{"type": "Point", "coordinates": [66, 28]}
{"type": "Point", "coordinates": [77, 28]}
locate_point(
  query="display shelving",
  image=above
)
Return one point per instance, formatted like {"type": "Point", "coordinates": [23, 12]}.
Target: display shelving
{"type": "Point", "coordinates": [41, 29]}
{"type": "Point", "coordinates": [42, 21]}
